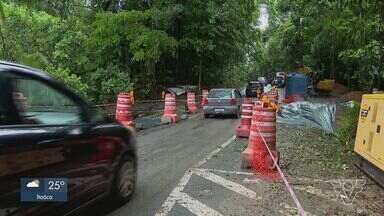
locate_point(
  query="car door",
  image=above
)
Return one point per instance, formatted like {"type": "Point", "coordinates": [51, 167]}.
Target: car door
{"type": "Point", "coordinates": [48, 138]}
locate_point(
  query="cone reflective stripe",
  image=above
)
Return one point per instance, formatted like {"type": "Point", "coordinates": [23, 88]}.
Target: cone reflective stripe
{"type": "Point", "coordinates": [170, 108]}
{"type": "Point", "coordinates": [191, 102]}
{"type": "Point", "coordinates": [124, 109]}
{"type": "Point", "coordinates": [204, 99]}
{"type": "Point", "coordinates": [246, 116]}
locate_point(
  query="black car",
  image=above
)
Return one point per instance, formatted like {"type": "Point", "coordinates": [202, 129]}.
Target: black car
{"type": "Point", "coordinates": [47, 131]}
{"type": "Point", "coordinates": [253, 87]}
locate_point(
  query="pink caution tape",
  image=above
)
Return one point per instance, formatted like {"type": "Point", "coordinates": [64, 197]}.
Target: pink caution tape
{"type": "Point", "coordinates": [301, 211]}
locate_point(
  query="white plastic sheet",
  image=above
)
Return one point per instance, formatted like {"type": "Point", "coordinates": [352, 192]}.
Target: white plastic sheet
{"type": "Point", "coordinates": [320, 115]}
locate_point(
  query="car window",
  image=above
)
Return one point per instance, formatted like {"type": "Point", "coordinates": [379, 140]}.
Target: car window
{"type": "Point", "coordinates": [2, 108]}
{"type": "Point", "coordinates": [2, 115]}
{"type": "Point", "coordinates": [38, 103]}
{"type": "Point", "coordinates": [220, 93]}
{"type": "Point", "coordinates": [7, 114]}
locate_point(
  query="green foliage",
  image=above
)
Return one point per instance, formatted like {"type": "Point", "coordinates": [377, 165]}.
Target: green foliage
{"type": "Point", "coordinates": [69, 79]}
{"type": "Point", "coordinates": [346, 132]}
{"type": "Point", "coordinates": [107, 46]}
{"type": "Point", "coordinates": [106, 83]}
{"type": "Point", "coordinates": [342, 39]}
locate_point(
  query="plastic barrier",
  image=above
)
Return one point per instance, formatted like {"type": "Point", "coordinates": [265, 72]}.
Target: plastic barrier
{"type": "Point", "coordinates": [246, 155]}
{"type": "Point", "coordinates": [263, 130]}
{"type": "Point", "coordinates": [170, 108]}
{"type": "Point", "coordinates": [124, 109]}
{"type": "Point", "coordinates": [204, 99]}
{"type": "Point", "coordinates": [246, 116]}
{"type": "Point", "coordinates": [191, 102]}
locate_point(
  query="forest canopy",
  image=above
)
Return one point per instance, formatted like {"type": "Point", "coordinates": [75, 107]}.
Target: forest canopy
{"type": "Point", "coordinates": [101, 47]}
{"type": "Point", "coordinates": [344, 40]}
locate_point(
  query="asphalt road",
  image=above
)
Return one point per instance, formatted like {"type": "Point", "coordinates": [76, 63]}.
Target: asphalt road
{"type": "Point", "coordinates": [165, 154]}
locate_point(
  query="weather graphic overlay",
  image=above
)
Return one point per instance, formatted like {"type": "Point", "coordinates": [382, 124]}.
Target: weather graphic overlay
{"type": "Point", "coordinates": [43, 190]}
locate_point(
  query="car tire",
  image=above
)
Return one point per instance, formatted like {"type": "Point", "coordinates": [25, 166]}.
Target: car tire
{"type": "Point", "coordinates": [206, 115]}
{"type": "Point", "coordinates": [125, 181]}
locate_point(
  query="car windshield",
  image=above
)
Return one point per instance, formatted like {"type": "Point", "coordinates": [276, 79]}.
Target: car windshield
{"type": "Point", "coordinates": [220, 93]}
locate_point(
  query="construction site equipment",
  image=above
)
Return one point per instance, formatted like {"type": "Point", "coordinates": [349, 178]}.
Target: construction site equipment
{"type": "Point", "coordinates": [325, 85]}
{"type": "Point", "coordinates": [369, 142]}
{"type": "Point", "coordinates": [296, 84]}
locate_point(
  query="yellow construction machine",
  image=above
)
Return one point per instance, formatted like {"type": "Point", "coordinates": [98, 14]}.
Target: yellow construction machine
{"type": "Point", "coordinates": [369, 144]}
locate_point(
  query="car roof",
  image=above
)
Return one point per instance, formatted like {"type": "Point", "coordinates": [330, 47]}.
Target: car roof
{"type": "Point", "coordinates": [4, 65]}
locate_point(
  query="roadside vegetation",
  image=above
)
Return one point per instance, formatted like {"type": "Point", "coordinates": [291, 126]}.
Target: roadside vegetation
{"type": "Point", "coordinates": [341, 39]}
{"type": "Point", "coordinates": [348, 125]}
{"type": "Point", "coordinates": [101, 47]}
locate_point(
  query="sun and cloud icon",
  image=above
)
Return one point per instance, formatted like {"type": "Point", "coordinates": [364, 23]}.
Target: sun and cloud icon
{"type": "Point", "coordinates": [33, 184]}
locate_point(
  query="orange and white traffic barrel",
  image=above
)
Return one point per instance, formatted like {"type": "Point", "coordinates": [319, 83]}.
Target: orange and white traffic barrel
{"type": "Point", "coordinates": [246, 116]}
{"type": "Point", "coordinates": [263, 140]}
{"type": "Point", "coordinates": [170, 108]}
{"type": "Point", "coordinates": [191, 102]}
{"type": "Point", "coordinates": [246, 155]}
{"type": "Point", "coordinates": [124, 109]}
{"type": "Point", "coordinates": [204, 97]}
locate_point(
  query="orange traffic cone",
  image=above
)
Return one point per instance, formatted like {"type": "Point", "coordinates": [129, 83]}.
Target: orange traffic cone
{"type": "Point", "coordinates": [124, 109]}
{"type": "Point", "coordinates": [246, 115]}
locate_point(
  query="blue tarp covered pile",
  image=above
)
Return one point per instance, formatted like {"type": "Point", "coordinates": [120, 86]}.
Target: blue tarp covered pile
{"type": "Point", "coordinates": [320, 115]}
